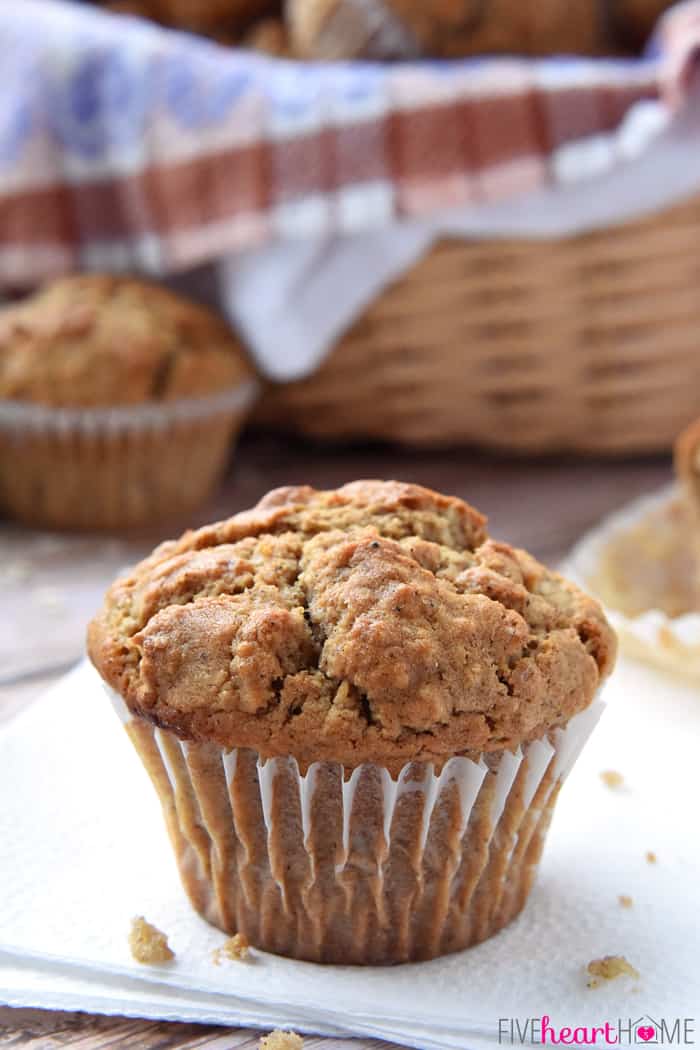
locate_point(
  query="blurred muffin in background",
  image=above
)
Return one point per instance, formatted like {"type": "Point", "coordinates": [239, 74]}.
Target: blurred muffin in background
{"type": "Point", "coordinates": [118, 402]}
{"type": "Point", "coordinates": [216, 18]}
{"type": "Point", "coordinates": [634, 21]}
{"type": "Point", "coordinates": [269, 36]}
{"type": "Point", "coordinates": [396, 29]}
{"type": "Point", "coordinates": [406, 29]}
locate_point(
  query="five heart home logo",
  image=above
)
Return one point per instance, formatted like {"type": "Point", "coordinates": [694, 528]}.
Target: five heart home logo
{"type": "Point", "coordinates": [622, 1031]}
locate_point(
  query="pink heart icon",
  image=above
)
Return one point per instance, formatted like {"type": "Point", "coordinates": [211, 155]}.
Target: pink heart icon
{"type": "Point", "coordinates": [646, 1032]}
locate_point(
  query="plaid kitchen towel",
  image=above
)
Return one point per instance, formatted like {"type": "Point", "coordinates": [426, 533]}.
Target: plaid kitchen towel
{"type": "Point", "coordinates": [123, 145]}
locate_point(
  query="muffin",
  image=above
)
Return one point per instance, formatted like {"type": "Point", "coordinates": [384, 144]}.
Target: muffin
{"type": "Point", "coordinates": [118, 402]}
{"type": "Point", "coordinates": [270, 37]}
{"type": "Point", "coordinates": [212, 17]}
{"type": "Point", "coordinates": [634, 20]}
{"type": "Point", "coordinates": [334, 29]}
{"type": "Point", "coordinates": [357, 710]}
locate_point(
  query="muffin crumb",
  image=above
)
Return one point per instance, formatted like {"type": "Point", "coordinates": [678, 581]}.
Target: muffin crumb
{"type": "Point", "coordinates": [279, 1040]}
{"type": "Point", "coordinates": [148, 944]}
{"type": "Point", "coordinates": [608, 968]}
{"type": "Point", "coordinates": [236, 948]}
{"type": "Point", "coordinates": [651, 857]}
{"type": "Point", "coordinates": [612, 779]}
{"type": "Point", "coordinates": [625, 901]}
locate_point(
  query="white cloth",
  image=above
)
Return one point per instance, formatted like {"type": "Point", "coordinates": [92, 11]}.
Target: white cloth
{"type": "Point", "coordinates": [83, 849]}
{"type": "Point", "coordinates": [293, 300]}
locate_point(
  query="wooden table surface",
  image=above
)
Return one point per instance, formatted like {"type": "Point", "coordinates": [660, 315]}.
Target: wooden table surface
{"type": "Point", "coordinates": [543, 505]}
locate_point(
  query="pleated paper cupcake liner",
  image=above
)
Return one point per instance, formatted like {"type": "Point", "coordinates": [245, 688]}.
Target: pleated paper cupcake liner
{"type": "Point", "coordinates": [642, 563]}
{"type": "Point", "coordinates": [115, 467]}
{"type": "Point", "coordinates": [357, 867]}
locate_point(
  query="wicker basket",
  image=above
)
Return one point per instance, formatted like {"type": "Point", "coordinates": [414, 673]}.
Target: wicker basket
{"type": "Point", "coordinates": [588, 343]}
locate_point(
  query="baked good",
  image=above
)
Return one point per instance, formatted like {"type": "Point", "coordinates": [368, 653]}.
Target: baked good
{"type": "Point", "coordinates": [270, 36]}
{"type": "Point", "coordinates": [118, 400]}
{"type": "Point", "coordinates": [355, 707]}
{"type": "Point", "coordinates": [148, 944]}
{"type": "Point", "coordinates": [634, 21]}
{"type": "Point", "coordinates": [404, 29]}
{"type": "Point", "coordinates": [211, 17]}
{"type": "Point", "coordinates": [333, 29]}
{"type": "Point", "coordinates": [279, 1040]}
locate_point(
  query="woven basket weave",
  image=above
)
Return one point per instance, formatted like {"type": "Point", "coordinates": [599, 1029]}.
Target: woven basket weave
{"type": "Point", "coordinates": [588, 343]}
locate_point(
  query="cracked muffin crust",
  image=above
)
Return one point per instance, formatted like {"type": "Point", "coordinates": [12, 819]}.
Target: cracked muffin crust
{"type": "Point", "coordinates": [378, 622]}
{"type": "Point", "coordinates": [95, 340]}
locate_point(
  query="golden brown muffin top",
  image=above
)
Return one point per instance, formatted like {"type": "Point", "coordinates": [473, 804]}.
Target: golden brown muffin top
{"type": "Point", "coordinates": [377, 622]}
{"type": "Point", "coordinates": [97, 340]}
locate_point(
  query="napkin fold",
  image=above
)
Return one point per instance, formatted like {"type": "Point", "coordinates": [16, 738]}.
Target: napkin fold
{"type": "Point", "coordinates": [84, 849]}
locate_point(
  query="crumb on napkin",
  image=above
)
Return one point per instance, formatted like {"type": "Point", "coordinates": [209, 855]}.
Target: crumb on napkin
{"type": "Point", "coordinates": [235, 947]}
{"type": "Point", "coordinates": [612, 779]}
{"type": "Point", "coordinates": [279, 1040]}
{"type": "Point", "coordinates": [651, 857]}
{"type": "Point", "coordinates": [148, 944]}
{"type": "Point", "coordinates": [608, 968]}
{"type": "Point", "coordinates": [625, 901]}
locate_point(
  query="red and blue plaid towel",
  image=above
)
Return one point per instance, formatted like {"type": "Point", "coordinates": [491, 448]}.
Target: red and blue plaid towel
{"type": "Point", "coordinates": [125, 145]}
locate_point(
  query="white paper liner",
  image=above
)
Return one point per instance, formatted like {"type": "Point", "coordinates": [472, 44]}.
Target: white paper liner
{"type": "Point", "coordinates": [18, 417]}
{"type": "Point", "coordinates": [464, 772]}
{"type": "Point", "coordinates": [669, 642]}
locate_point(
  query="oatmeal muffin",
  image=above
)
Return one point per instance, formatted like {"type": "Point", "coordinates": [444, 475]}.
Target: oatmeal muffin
{"type": "Point", "coordinates": [357, 710]}
{"type": "Point", "coordinates": [334, 29]}
{"type": "Point", "coordinates": [210, 17]}
{"type": "Point", "coordinates": [270, 37]}
{"type": "Point", "coordinates": [118, 401]}
{"type": "Point", "coordinates": [634, 20]}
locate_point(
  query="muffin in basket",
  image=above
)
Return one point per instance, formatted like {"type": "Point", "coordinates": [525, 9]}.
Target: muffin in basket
{"type": "Point", "coordinates": [200, 16]}
{"type": "Point", "coordinates": [357, 710]}
{"type": "Point", "coordinates": [405, 29]}
{"type": "Point", "coordinates": [118, 401]}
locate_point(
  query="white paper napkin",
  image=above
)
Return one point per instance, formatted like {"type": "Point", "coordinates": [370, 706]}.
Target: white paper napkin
{"type": "Point", "coordinates": [83, 849]}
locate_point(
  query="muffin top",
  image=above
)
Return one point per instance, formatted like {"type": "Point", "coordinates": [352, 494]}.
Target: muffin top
{"type": "Point", "coordinates": [377, 622]}
{"type": "Point", "coordinates": [97, 340]}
